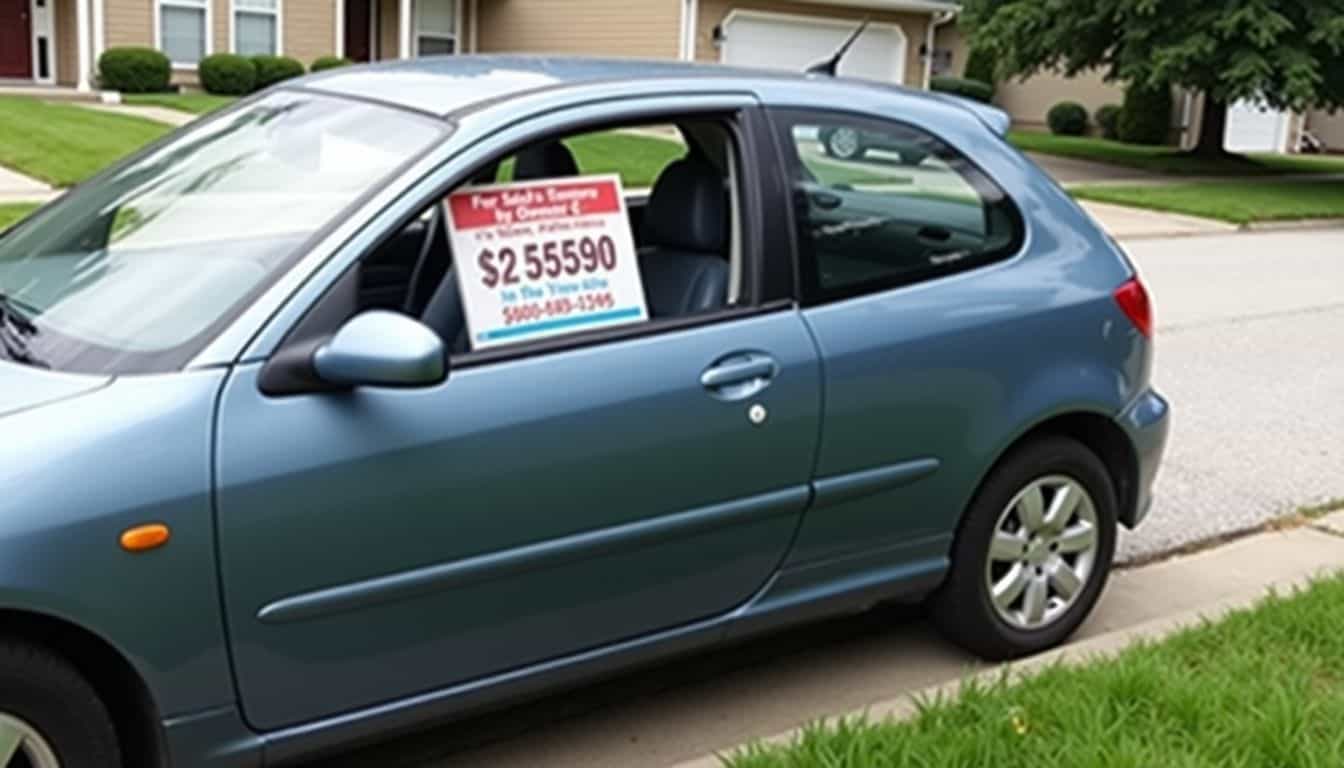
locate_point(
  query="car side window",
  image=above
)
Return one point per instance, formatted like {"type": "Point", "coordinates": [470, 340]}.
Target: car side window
{"type": "Point", "coordinates": [553, 273]}
{"type": "Point", "coordinates": [880, 204]}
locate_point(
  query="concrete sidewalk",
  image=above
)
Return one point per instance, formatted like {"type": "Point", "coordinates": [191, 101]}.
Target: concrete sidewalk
{"type": "Point", "coordinates": [157, 114]}
{"type": "Point", "coordinates": [1125, 223]}
{"type": "Point", "coordinates": [714, 702]}
{"type": "Point", "coordinates": [1149, 603]}
{"type": "Point", "coordinates": [17, 188]}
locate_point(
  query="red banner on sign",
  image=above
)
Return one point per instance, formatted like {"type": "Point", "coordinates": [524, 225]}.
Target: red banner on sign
{"type": "Point", "coordinates": [518, 204]}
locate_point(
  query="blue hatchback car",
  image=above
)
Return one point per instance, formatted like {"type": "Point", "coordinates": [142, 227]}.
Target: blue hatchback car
{"type": "Point", "coordinates": [399, 392]}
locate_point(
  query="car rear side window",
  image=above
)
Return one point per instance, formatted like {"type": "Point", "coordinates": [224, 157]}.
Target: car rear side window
{"type": "Point", "coordinates": [881, 204]}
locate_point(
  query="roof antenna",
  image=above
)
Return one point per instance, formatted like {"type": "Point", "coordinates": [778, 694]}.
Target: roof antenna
{"type": "Point", "coordinates": [829, 66]}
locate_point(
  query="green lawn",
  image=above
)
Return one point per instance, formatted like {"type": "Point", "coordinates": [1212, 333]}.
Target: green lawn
{"type": "Point", "coordinates": [195, 102]}
{"type": "Point", "coordinates": [63, 144]}
{"type": "Point", "coordinates": [1167, 160]}
{"type": "Point", "coordinates": [1264, 687]}
{"type": "Point", "coordinates": [637, 158]}
{"type": "Point", "coordinates": [12, 212]}
{"type": "Point", "coordinates": [1237, 202]}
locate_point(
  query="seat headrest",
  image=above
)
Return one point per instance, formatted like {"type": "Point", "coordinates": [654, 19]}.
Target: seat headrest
{"type": "Point", "coordinates": [544, 161]}
{"type": "Point", "coordinates": [688, 208]}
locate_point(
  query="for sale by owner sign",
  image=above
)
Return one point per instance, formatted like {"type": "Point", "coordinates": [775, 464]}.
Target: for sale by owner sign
{"type": "Point", "coordinates": [542, 258]}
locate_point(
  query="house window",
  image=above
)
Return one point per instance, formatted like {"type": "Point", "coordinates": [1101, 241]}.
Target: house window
{"type": "Point", "coordinates": [183, 30]}
{"type": "Point", "coordinates": [435, 27]}
{"type": "Point", "coordinates": [256, 27]}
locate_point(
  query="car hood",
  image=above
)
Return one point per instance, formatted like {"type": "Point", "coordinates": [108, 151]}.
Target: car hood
{"type": "Point", "coordinates": [23, 387]}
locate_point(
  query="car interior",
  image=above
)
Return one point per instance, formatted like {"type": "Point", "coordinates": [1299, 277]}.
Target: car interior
{"type": "Point", "coordinates": [686, 228]}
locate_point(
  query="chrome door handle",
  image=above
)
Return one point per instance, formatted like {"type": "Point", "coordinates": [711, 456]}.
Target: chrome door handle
{"type": "Point", "coordinates": [740, 375]}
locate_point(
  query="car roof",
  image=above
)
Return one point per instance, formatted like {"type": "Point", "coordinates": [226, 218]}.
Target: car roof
{"type": "Point", "coordinates": [451, 85]}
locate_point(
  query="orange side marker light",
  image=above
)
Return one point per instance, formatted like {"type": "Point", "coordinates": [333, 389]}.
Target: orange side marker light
{"type": "Point", "coordinates": [143, 538]}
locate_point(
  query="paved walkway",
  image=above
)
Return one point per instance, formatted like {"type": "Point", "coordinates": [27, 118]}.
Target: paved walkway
{"type": "Point", "coordinates": [157, 114]}
{"type": "Point", "coordinates": [1128, 223]}
{"type": "Point", "coordinates": [1068, 170]}
{"type": "Point", "coordinates": [17, 188]}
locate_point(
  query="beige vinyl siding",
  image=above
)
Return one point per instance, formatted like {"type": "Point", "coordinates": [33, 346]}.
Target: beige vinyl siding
{"type": "Point", "coordinates": [1328, 127]}
{"type": "Point", "coordinates": [126, 22]}
{"type": "Point", "coordinates": [219, 23]}
{"type": "Point", "coordinates": [714, 12]}
{"type": "Point", "coordinates": [67, 47]}
{"type": "Point", "coordinates": [638, 28]}
{"type": "Point", "coordinates": [1028, 102]}
{"type": "Point", "coordinates": [309, 29]}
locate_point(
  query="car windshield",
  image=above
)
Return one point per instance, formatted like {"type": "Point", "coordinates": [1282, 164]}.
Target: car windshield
{"type": "Point", "coordinates": [134, 271]}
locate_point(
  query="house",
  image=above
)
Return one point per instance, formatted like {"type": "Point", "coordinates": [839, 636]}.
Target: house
{"type": "Point", "coordinates": [57, 42]}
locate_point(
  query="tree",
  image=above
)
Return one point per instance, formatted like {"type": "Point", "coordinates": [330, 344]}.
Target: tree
{"type": "Point", "coordinates": [1290, 53]}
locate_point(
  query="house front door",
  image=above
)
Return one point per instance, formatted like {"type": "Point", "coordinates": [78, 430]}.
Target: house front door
{"type": "Point", "coordinates": [16, 39]}
{"type": "Point", "coordinates": [358, 30]}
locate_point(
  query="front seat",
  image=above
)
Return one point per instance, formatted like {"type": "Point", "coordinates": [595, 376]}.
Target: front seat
{"type": "Point", "coordinates": [444, 312]}
{"type": "Point", "coordinates": [684, 239]}
{"type": "Point", "coordinates": [549, 160]}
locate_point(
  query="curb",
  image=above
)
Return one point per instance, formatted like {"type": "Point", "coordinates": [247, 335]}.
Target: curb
{"type": "Point", "coordinates": [1290, 225]}
{"type": "Point", "coordinates": [1096, 648]}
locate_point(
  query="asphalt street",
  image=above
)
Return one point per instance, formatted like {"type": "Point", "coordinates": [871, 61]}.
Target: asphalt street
{"type": "Point", "coordinates": [1250, 350]}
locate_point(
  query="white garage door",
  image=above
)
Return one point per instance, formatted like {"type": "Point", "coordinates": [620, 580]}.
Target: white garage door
{"type": "Point", "coordinates": [778, 41]}
{"type": "Point", "coordinates": [1253, 127]}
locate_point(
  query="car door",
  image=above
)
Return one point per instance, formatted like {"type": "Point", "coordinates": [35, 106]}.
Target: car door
{"type": "Point", "coordinates": [540, 502]}
{"type": "Point", "coordinates": [906, 393]}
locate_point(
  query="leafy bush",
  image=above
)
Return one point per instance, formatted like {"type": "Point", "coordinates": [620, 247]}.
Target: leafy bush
{"type": "Point", "coordinates": [1146, 116]}
{"type": "Point", "coordinates": [328, 62]}
{"type": "Point", "coordinates": [980, 63]}
{"type": "Point", "coordinates": [227, 74]}
{"type": "Point", "coordinates": [1107, 119]}
{"type": "Point", "coordinates": [960, 86]}
{"type": "Point", "coordinates": [134, 70]}
{"type": "Point", "coordinates": [1067, 118]}
{"type": "Point", "coordinates": [273, 69]}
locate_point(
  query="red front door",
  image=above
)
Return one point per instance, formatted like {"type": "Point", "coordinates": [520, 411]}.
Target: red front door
{"type": "Point", "coordinates": [16, 39]}
{"type": "Point", "coordinates": [357, 23]}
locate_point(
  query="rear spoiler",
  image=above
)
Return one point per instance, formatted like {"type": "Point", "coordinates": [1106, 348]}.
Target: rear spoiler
{"type": "Point", "coordinates": [995, 119]}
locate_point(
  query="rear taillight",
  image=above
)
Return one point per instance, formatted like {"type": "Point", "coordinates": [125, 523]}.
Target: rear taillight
{"type": "Point", "coordinates": [1133, 300]}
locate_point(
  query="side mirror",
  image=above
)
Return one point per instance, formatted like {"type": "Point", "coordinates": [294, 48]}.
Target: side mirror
{"type": "Point", "coordinates": [379, 348]}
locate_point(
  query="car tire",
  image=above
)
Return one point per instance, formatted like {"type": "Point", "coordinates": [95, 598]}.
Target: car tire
{"type": "Point", "coordinates": [44, 699]}
{"type": "Point", "coordinates": [844, 144]}
{"type": "Point", "coordinates": [991, 602]}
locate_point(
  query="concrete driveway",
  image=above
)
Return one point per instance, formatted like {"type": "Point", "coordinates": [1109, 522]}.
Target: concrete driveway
{"type": "Point", "coordinates": [1067, 170]}
{"type": "Point", "coordinates": [1248, 340]}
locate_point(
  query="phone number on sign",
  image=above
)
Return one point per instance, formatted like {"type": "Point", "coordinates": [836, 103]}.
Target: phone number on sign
{"type": "Point", "coordinates": [538, 310]}
{"type": "Point", "coordinates": [550, 259]}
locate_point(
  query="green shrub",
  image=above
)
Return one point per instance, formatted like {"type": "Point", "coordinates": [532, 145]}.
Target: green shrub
{"type": "Point", "coordinates": [960, 86]}
{"type": "Point", "coordinates": [1067, 118]}
{"type": "Point", "coordinates": [980, 63]}
{"type": "Point", "coordinates": [328, 62]}
{"type": "Point", "coordinates": [1146, 116]}
{"type": "Point", "coordinates": [273, 69]}
{"type": "Point", "coordinates": [227, 74]}
{"type": "Point", "coordinates": [134, 70]}
{"type": "Point", "coordinates": [1107, 119]}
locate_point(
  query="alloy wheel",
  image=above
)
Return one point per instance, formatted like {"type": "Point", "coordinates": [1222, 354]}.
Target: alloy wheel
{"type": "Point", "coordinates": [1043, 552]}
{"type": "Point", "coordinates": [21, 746]}
{"type": "Point", "coordinates": [844, 143]}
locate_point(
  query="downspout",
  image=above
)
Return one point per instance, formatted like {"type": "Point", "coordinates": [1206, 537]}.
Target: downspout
{"type": "Point", "coordinates": [936, 20]}
{"type": "Point", "coordinates": [690, 21]}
